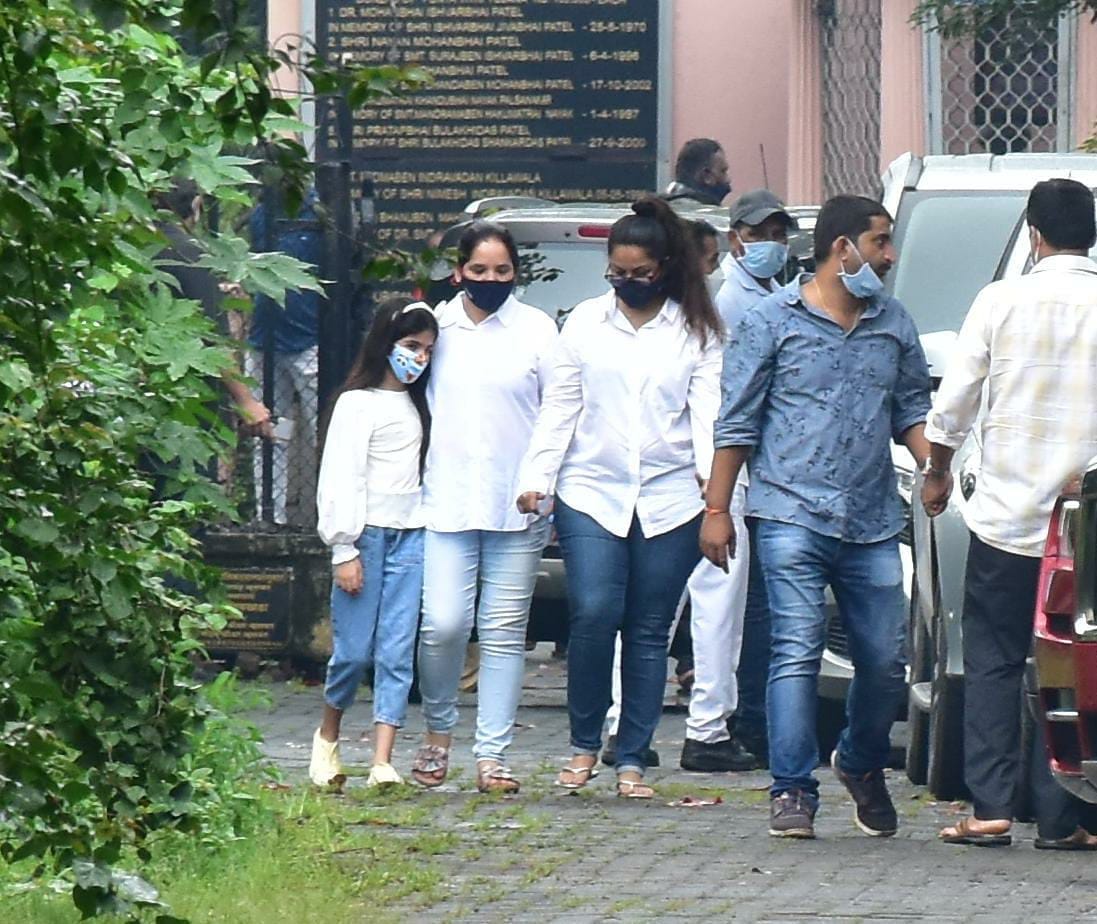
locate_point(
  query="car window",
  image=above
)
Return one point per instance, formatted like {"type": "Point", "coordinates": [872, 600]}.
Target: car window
{"type": "Point", "coordinates": [950, 245]}
{"type": "Point", "coordinates": [557, 276]}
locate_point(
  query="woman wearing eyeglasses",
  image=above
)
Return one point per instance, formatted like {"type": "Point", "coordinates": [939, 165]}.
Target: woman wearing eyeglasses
{"type": "Point", "coordinates": [624, 438]}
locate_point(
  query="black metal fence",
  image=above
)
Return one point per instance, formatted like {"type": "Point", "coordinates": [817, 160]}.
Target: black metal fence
{"type": "Point", "coordinates": [298, 353]}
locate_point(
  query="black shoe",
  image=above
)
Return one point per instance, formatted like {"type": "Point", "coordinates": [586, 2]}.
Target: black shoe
{"type": "Point", "coordinates": [874, 812]}
{"type": "Point", "coordinates": [717, 757]}
{"type": "Point", "coordinates": [755, 742]}
{"type": "Point", "coordinates": [792, 814]}
{"type": "Point", "coordinates": [609, 754]}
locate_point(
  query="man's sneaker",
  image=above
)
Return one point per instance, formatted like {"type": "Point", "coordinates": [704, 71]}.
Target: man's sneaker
{"type": "Point", "coordinates": [325, 768]}
{"type": "Point", "coordinates": [792, 814]}
{"type": "Point", "coordinates": [609, 754]}
{"type": "Point", "coordinates": [717, 757]}
{"type": "Point", "coordinates": [873, 812]}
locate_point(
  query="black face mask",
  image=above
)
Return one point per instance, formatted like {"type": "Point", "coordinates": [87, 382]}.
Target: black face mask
{"type": "Point", "coordinates": [636, 293]}
{"type": "Point", "coordinates": [488, 296]}
{"type": "Point", "coordinates": [718, 191]}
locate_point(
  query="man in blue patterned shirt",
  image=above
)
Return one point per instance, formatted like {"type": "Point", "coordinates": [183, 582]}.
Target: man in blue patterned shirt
{"type": "Point", "coordinates": [818, 379]}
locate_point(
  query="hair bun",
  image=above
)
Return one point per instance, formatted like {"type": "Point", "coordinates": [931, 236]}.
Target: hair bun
{"type": "Point", "coordinates": [646, 207]}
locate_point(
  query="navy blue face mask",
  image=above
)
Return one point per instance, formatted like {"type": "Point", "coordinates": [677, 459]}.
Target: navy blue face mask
{"type": "Point", "coordinates": [636, 293]}
{"type": "Point", "coordinates": [718, 191]}
{"type": "Point", "coordinates": [488, 295]}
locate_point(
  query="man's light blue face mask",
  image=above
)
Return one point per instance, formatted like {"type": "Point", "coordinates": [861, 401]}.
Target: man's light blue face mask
{"type": "Point", "coordinates": [864, 283]}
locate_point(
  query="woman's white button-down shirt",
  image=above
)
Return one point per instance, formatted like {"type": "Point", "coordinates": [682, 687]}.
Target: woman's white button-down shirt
{"type": "Point", "coordinates": [485, 389]}
{"type": "Point", "coordinates": [626, 422]}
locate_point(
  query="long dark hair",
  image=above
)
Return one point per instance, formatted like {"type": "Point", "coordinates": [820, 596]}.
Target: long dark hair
{"type": "Point", "coordinates": [392, 322]}
{"type": "Point", "coordinates": [656, 228]}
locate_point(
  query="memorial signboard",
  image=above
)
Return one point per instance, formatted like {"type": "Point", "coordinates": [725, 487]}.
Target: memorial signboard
{"type": "Point", "coordinates": [549, 98]}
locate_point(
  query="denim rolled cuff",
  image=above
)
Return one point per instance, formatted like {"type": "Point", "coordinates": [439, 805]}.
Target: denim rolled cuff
{"type": "Point", "coordinates": [901, 423]}
{"type": "Point", "coordinates": [630, 768]}
{"type": "Point", "coordinates": [730, 435]}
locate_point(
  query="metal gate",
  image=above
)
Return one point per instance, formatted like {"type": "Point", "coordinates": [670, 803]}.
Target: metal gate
{"type": "Point", "coordinates": [1007, 89]}
{"type": "Point", "coordinates": [850, 35]}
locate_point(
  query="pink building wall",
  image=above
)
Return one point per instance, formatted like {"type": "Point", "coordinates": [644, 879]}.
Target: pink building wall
{"type": "Point", "coordinates": [730, 81]}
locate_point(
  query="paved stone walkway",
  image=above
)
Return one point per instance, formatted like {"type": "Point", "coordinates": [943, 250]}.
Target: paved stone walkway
{"type": "Point", "coordinates": [549, 856]}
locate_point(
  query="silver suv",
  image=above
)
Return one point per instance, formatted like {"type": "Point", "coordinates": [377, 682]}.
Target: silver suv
{"type": "Point", "coordinates": [959, 225]}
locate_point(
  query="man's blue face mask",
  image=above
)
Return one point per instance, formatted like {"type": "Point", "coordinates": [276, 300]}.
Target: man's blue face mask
{"type": "Point", "coordinates": [864, 283]}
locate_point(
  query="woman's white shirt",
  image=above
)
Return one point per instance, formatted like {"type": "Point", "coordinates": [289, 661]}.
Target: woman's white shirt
{"type": "Point", "coordinates": [485, 389]}
{"type": "Point", "coordinates": [369, 473]}
{"type": "Point", "coordinates": [626, 422]}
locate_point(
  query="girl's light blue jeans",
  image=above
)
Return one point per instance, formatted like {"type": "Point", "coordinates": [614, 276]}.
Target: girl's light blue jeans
{"type": "Point", "coordinates": [502, 566]}
{"type": "Point", "coordinates": [378, 624]}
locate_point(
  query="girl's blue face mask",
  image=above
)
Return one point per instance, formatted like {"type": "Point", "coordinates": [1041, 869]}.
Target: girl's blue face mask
{"type": "Point", "coordinates": [864, 283]}
{"type": "Point", "coordinates": [405, 364]}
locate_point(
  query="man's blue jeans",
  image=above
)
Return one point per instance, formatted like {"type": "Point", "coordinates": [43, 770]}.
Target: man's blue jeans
{"type": "Point", "coordinates": [867, 580]}
{"type": "Point", "coordinates": [631, 586]}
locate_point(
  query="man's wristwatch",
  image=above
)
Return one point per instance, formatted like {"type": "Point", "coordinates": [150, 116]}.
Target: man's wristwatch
{"type": "Point", "coordinates": [928, 469]}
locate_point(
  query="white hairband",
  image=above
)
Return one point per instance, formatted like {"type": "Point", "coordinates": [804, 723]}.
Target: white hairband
{"type": "Point", "coordinates": [415, 305]}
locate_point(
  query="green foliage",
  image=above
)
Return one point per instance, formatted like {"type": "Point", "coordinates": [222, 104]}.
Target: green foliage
{"type": "Point", "coordinates": [419, 268]}
{"type": "Point", "coordinates": [955, 19]}
{"type": "Point", "coordinates": [108, 424]}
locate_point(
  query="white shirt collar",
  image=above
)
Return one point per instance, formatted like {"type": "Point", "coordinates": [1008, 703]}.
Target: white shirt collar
{"type": "Point", "coordinates": [668, 314]}
{"type": "Point", "coordinates": [1065, 261]}
{"type": "Point", "coordinates": [453, 312]}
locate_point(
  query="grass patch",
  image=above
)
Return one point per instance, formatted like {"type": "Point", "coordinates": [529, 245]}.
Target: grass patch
{"type": "Point", "coordinates": [329, 864]}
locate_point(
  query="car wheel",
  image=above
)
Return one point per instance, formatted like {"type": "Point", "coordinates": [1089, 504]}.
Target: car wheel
{"type": "Point", "coordinates": [945, 758]}
{"type": "Point", "coordinates": [921, 679]}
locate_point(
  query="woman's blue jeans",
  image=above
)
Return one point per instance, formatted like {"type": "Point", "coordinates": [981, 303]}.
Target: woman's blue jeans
{"type": "Point", "coordinates": [377, 625]}
{"type": "Point", "coordinates": [631, 586]}
{"type": "Point", "coordinates": [483, 578]}
{"type": "Point", "coordinates": [867, 580]}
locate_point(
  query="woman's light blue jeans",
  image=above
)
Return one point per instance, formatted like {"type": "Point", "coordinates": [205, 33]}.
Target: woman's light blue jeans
{"type": "Point", "coordinates": [378, 624]}
{"type": "Point", "coordinates": [502, 566]}
{"type": "Point", "coordinates": [867, 580]}
{"type": "Point", "coordinates": [631, 586]}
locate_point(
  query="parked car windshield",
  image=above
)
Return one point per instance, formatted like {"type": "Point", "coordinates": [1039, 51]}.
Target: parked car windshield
{"type": "Point", "coordinates": [563, 274]}
{"type": "Point", "coordinates": [950, 245]}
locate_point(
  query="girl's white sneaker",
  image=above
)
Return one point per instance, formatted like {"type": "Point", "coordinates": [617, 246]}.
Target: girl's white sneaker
{"type": "Point", "coordinates": [325, 768]}
{"type": "Point", "coordinates": [384, 775]}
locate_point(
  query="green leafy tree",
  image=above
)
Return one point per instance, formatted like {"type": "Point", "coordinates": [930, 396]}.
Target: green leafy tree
{"type": "Point", "coordinates": [107, 417]}
{"type": "Point", "coordinates": [955, 19]}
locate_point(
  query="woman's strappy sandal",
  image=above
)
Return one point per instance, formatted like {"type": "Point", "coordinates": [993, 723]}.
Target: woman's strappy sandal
{"type": "Point", "coordinates": [430, 766]}
{"type": "Point", "coordinates": [584, 774]}
{"type": "Point", "coordinates": [492, 776]}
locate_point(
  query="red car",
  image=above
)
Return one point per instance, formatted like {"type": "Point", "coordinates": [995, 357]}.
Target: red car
{"type": "Point", "coordinates": [1065, 640]}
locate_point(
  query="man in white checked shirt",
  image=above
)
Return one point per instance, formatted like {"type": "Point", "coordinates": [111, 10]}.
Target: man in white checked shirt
{"type": "Point", "coordinates": [1033, 343]}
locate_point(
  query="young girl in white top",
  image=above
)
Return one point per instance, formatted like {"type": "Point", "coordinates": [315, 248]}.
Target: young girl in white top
{"type": "Point", "coordinates": [370, 514]}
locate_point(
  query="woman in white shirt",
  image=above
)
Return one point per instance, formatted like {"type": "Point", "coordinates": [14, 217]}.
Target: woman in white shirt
{"type": "Point", "coordinates": [625, 439]}
{"type": "Point", "coordinates": [368, 500]}
{"type": "Point", "coordinates": [485, 391]}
